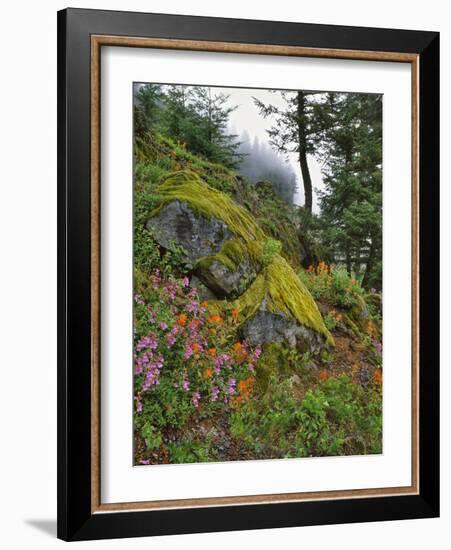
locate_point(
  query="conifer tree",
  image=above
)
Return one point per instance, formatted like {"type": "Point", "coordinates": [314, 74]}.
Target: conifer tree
{"type": "Point", "coordinates": [294, 131]}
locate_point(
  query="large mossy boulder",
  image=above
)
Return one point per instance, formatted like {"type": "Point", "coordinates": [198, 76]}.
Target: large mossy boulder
{"type": "Point", "coordinates": [277, 307]}
{"type": "Point", "coordinates": [197, 235]}
{"type": "Point", "coordinates": [222, 241]}
{"type": "Point", "coordinates": [234, 259]}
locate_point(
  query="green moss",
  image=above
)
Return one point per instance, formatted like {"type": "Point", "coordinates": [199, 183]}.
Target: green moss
{"type": "Point", "coordinates": [187, 186]}
{"type": "Point", "coordinates": [277, 282]}
{"type": "Point", "coordinates": [231, 255]}
{"type": "Point", "coordinates": [284, 293]}
{"type": "Point", "coordinates": [249, 240]}
{"type": "Point", "coordinates": [351, 324]}
{"type": "Point", "coordinates": [270, 249]}
{"type": "Point", "coordinates": [268, 366]}
{"type": "Point", "coordinates": [288, 295]}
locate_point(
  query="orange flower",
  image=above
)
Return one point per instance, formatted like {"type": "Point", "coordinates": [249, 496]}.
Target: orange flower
{"type": "Point", "coordinates": [212, 330]}
{"type": "Point", "coordinates": [240, 350]}
{"type": "Point", "coordinates": [323, 374]}
{"type": "Point", "coordinates": [245, 384]}
{"type": "Point", "coordinates": [235, 313]}
{"type": "Point", "coordinates": [322, 268]}
{"type": "Point", "coordinates": [371, 328]}
{"type": "Point", "coordinates": [208, 373]}
{"type": "Point", "coordinates": [204, 303]}
{"type": "Point", "coordinates": [196, 347]}
{"type": "Point", "coordinates": [216, 319]}
{"type": "Point", "coordinates": [338, 317]}
{"type": "Point", "coordinates": [245, 387]}
{"type": "Point", "coordinates": [212, 352]}
{"type": "Point", "coordinates": [377, 375]}
{"type": "Point", "coordinates": [182, 319]}
{"type": "Point", "coordinates": [236, 401]}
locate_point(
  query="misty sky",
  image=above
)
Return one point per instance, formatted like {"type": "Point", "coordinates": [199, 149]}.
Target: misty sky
{"type": "Point", "coordinates": [247, 118]}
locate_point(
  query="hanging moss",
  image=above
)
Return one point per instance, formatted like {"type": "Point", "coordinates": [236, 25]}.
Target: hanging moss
{"type": "Point", "coordinates": [187, 186]}
{"type": "Point", "coordinates": [289, 295]}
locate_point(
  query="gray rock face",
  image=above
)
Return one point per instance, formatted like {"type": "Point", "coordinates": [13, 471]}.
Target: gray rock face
{"type": "Point", "coordinates": [199, 236]}
{"type": "Point", "coordinates": [203, 291]}
{"type": "Point", "coordinates": [267, 326]}
{"type": "Point", "coordinates": [223, 281]}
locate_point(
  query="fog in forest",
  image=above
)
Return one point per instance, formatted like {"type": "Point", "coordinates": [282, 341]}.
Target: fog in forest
{"type": "Point", "coordinates": [262, 162]}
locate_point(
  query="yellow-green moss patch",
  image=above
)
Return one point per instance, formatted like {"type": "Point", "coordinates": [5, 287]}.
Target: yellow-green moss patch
{"type": "Point", "coordinates": [284, 293]}
{"type": "Point", "coordinates": [186, 186]}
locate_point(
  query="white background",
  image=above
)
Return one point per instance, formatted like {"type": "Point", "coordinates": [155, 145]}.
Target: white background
{"type": "Point", "coordinates": [28, 275]}
{"type": "Point", "coordinates": [119, 481]}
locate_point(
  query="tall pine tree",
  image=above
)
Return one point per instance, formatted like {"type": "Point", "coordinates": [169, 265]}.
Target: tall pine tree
{"type": "Point", "coordinates": [294, 131]}
{"type": "Point", "coordinates": [351, 202]}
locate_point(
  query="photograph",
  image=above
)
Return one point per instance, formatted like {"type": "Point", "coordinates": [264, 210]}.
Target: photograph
{"type": "Point", "coordinates": [248, 291]}
{"type": "Point", "coordinates": [257, 264]}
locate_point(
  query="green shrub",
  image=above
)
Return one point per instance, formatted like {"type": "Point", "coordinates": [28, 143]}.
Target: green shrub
{"type": "Point", "coordinates": [337, 417]}
{"type": "Point", "coordinates": [270, 249]}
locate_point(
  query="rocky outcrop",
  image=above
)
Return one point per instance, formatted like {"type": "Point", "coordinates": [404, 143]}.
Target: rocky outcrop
{"type": "Point", "coordinates": [224, 280]}
{"type": "Point", "coordinates": [265, 327]}
{"type": "Point", "coordinates": [233, 259]}
{"type": "Point", "coordinates": [197, 235]}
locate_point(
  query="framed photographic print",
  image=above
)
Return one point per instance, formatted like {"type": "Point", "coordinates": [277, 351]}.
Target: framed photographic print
{"type": "Point", "coordinates": [248, 274]}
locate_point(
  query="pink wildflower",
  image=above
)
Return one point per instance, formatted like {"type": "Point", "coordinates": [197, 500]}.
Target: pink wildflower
{"type": "Point", "coordinates": [196, 398]}
{"type": "Point", "coordinates": [192, 306]}
{"type": "Point", "coordinates": [170, 339]}
{"type": "Point", "coordinates": [214, 393]}
{"type": "Point", "coordinates": [139, 300]}
{"type": "Point", "coordinates": [231, 386]}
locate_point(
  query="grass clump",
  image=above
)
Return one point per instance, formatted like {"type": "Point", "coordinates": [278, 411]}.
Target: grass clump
{"type": "Point", "coordinates": [334, 417]}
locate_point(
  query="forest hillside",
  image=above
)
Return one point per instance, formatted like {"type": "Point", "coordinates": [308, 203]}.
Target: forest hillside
{"type": "Point", "coordinates": [258, 330]}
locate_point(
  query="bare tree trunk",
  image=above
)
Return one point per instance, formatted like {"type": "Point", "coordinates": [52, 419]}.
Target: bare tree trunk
{"type": "Point", "coordinates": [307, 181]}
{"type": "Point", "coordinates": [302, 139]}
